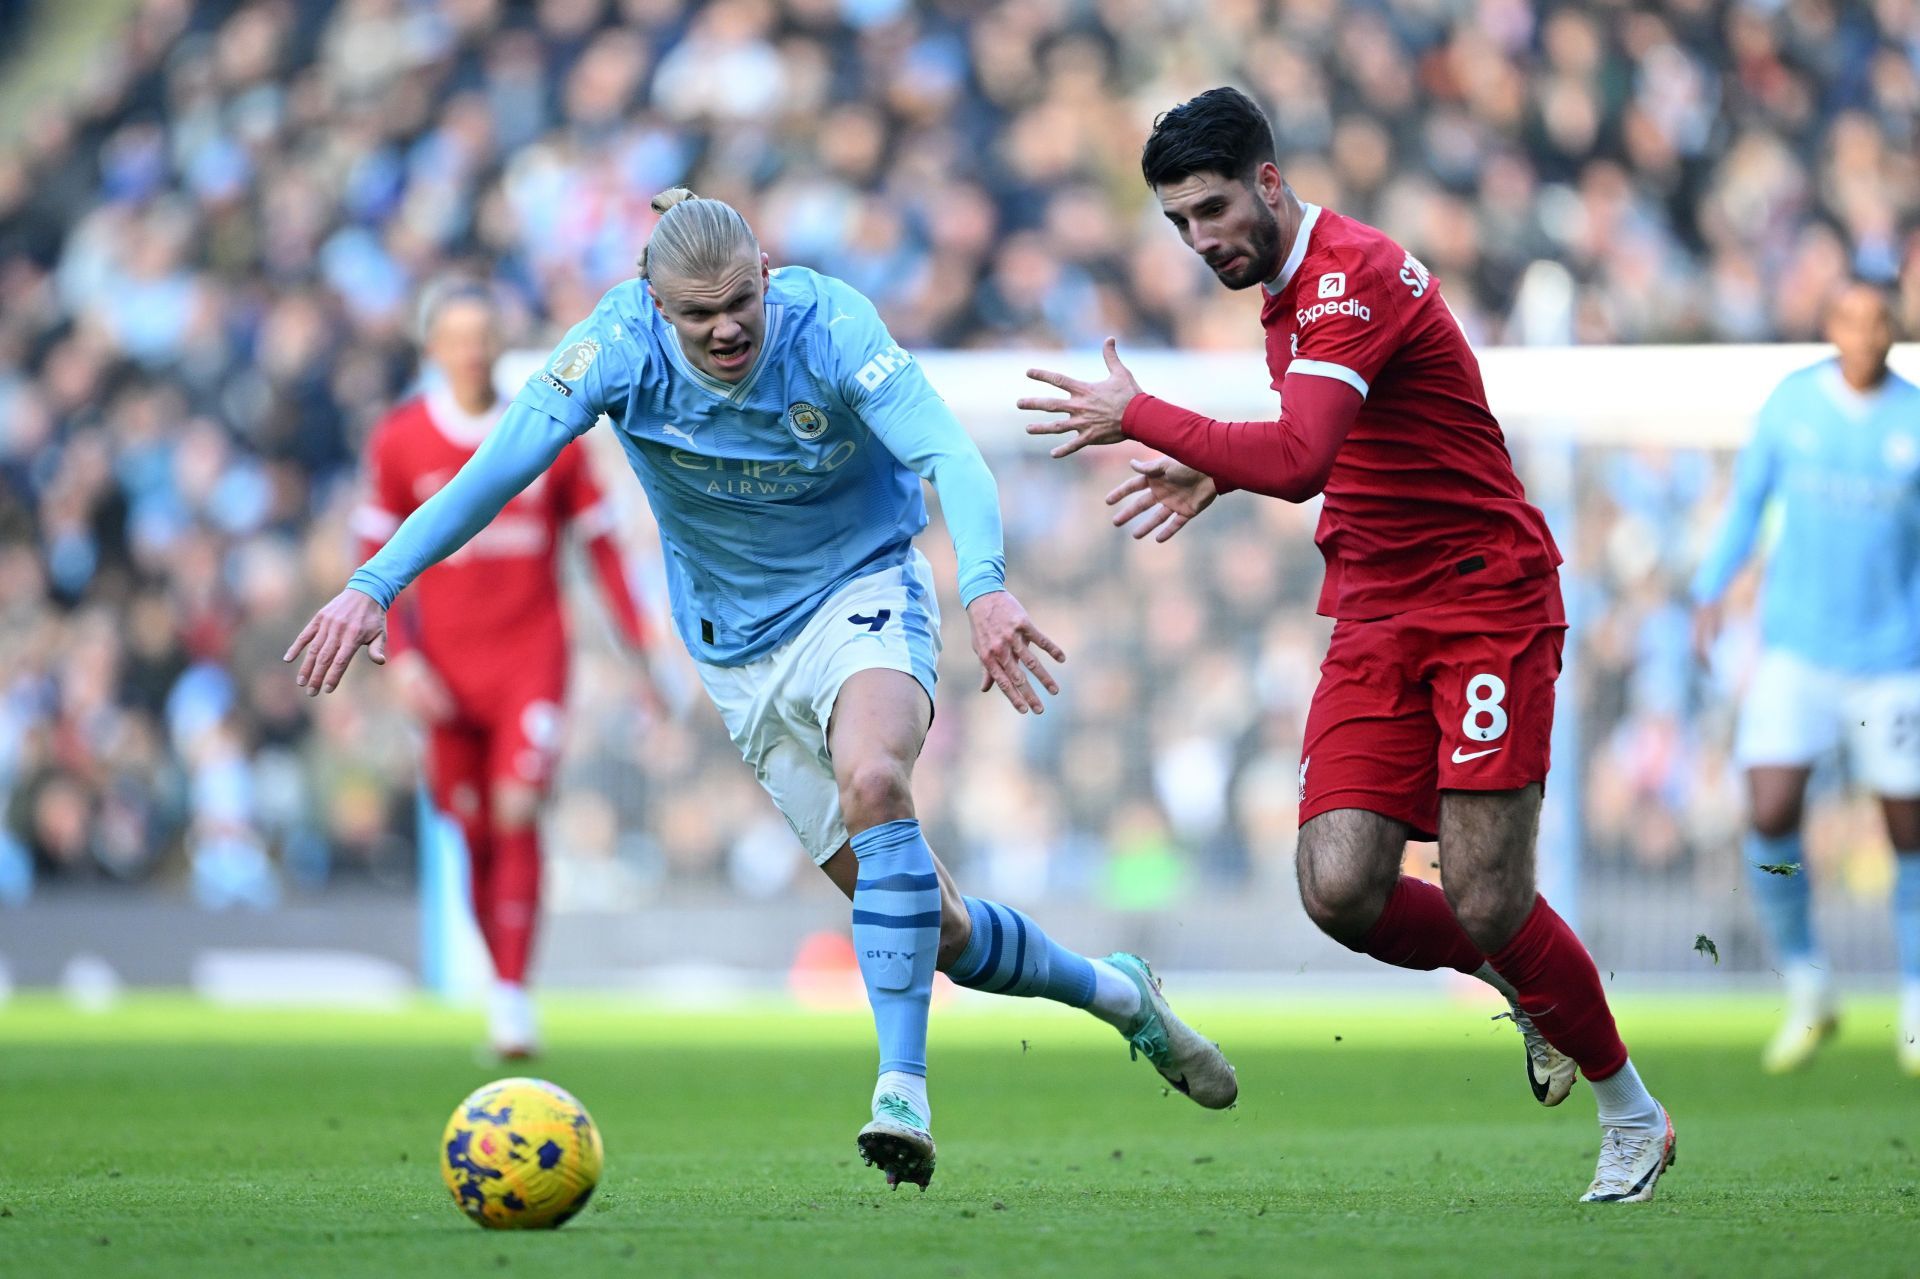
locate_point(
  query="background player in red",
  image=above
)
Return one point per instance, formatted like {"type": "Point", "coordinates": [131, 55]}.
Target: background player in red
{"type": "Point", "coordinates": [478, 647]}
{"type": "Point", "coordinates": [1435, 703]}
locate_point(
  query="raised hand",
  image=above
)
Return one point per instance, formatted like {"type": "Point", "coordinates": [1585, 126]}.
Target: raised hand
{"type": "Point", "coordinates": [1169, 493]}
{"type": "Point", "coordinates": [1004, 638]}
{"type": "Point", "coordinates": [1093, 409]}
{"type": "Point", "coordinates": [334, 635]}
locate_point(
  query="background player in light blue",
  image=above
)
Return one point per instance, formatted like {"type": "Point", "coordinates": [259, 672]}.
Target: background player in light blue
{"type": "Point", "coordinates": [1838, 446]}
{"type": "Point", "coordinates": [782, 437]}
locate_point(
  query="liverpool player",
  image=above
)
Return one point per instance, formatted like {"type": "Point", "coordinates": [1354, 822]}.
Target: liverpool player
{"type": "Point", "coordinates": [479, 646]}
{"type": "Point", "coordinates": [1435, 701]}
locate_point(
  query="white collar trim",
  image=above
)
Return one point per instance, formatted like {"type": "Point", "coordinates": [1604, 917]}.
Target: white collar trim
{"type": "Point", "coordinates": [456, 423]}
{"type": "Point", "coordinates": [1309, 215]}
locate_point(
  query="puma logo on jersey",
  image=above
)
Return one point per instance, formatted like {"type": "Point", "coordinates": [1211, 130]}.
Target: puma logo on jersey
{"type": "Point", "coordinates": [837, 318]}
{"type": "Point", "coordinates": [670, 429]}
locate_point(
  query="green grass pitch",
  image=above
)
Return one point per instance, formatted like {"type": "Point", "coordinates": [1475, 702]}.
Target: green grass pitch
{"type": "Point", "coordinates": [166, 1138]}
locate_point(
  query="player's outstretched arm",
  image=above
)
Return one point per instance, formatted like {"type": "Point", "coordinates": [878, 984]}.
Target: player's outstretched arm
{"type": "Point", "coordinates": [524, 444]}
{"type": "Point", "coordinates": [1754, 474]}
{"type": "Point", "coordinates": [893, 397]}
{"type": "Point", "coordinates": [1290, 458]}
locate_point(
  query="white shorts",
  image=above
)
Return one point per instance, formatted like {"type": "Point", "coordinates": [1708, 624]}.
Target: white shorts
{"type": "Point", "coordinates": [1796, 712]}
{"type": "Point", "coordinates": [778, 708]}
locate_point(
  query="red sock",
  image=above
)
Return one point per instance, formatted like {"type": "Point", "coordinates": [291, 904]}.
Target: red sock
{"type": "Point", "coordinates": [479, 840]}
{"type": "Point", "coordinates": [514, 906]}
{"type": "Point", "coordinates": [1418, 930]}
{"type": "Point", "coordinates": [1559, 988]}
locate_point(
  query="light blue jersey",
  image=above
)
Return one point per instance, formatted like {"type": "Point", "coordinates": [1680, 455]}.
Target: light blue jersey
{"type": "Point", "coordinates": [771, 493]}
{"type": "Point", "coordinates": [1843, 582]}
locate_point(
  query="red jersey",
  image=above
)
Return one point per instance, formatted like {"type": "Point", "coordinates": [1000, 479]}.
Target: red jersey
{"type": "Point", "coordinates": [1421, 502]}
{"type": "Point", "coordinates": [490, 615]}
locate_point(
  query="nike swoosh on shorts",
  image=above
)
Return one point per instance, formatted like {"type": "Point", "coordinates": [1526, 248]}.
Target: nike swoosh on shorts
{"type": "Point", "coordinates": [1458, 758]}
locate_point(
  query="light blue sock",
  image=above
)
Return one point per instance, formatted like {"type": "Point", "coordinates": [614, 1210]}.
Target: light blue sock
{"type": "Point", "coordinates": [1008, 954]}
{"type": "Point", "coordinates": [1906, 914]}
{"type": "Point", "coordinates": [896, 935]}
{"type": "Point", "coordinates": [1784, 901]}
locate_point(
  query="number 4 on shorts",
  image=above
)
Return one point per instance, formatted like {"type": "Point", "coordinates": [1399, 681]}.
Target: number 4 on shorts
{"type": "Point", "coordinates": [874, 623]}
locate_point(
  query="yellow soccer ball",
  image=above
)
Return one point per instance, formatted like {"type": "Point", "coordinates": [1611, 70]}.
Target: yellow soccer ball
{"type": "Point", "coordinates": [521, 1154]}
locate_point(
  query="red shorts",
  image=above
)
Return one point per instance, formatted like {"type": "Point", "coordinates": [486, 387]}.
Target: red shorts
{"type": "Point", "coordinates": [1458, 696]}
{"type": "Point", "coordinates": [517, 741]}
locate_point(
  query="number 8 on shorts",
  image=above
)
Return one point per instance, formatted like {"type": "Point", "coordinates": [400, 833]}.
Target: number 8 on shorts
{"type": "Point", "coordinates": [1486, 718]}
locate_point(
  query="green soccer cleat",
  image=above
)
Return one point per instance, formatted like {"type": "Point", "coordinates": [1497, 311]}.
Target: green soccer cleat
{"type": "Point", "coordinates": [1194, 1065]}
{"type": "Point", "coordinates": [897, 1141]}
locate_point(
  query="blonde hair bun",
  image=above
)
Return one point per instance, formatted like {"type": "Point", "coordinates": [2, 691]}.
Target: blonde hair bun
{"type": "Point", "coordinates": [695, 238]}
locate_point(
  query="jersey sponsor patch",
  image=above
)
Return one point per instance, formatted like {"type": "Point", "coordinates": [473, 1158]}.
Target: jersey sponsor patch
{"type": "Point", "coordinates": [574, 360]}
{"type": "Point", "coordinates": [881, 367]}
{"type": "Point", "coordinates": [1333, 284]}
{"type": "Point", "coordinates": [806, 421]}
{"type": "Point", "coordinates": [1345, 306]}
{"type": "Point", "coordinates": [557, 384]}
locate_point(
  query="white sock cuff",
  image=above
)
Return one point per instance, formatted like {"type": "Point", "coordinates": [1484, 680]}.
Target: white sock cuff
{"type": "Point", "coordinates": [1624, 1101]}
{"type": "Point", "coordinates": [912, 1087]}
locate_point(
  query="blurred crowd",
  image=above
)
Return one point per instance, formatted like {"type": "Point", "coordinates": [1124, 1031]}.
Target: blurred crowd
{"type": "Point", "coordinates": [209, 255]}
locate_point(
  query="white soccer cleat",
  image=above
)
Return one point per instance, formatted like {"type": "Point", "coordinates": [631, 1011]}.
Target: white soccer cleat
{"type": "Point", "coordinates": [898, 1142]}
{"type": "Point", "coordinates": [511, 1029]}
{"type": "Point", "coordinates": [1190, 1062]}
{"type": "Point", "coordinates": [1631, 1161]}
{"type": "Point", "coordinates": [1550, 1072]}
{"type": "Point", "coordinates": [1809, 1022]}
{"type": "Point", "coordinates": [1797, 1040]}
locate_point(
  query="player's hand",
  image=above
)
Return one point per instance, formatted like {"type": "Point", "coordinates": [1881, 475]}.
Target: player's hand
{"type": "Point", "coordinates": [1093, 409]}
{"type": "Point", "coordinates": [1706, 631]}
{"type": "Point", "coordinates": [1168, 493]}
{"type": "Point", "coordinates": [1004, 638]}
{"type": "Point", "coordinates": [423, 692]}
{"type": "Point", "coordinates": [334, 635]}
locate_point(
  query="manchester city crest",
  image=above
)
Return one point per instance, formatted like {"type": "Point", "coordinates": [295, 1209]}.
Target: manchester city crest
{"type": "Point", "coordinates": [573, 360]}
{"type": "Point", "coordinates": [806, 421]}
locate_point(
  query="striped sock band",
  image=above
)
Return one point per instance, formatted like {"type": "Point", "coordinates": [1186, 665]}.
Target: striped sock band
{"type": "Point", "coordinates": [1009, 954]}
{"type": "Point", "coordinates": [896, 937]}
